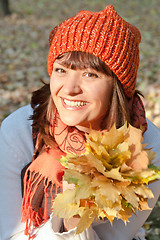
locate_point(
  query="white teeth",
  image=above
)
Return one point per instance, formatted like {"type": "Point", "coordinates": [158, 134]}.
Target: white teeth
{"type": "Point", "coordinates": [74, 103]}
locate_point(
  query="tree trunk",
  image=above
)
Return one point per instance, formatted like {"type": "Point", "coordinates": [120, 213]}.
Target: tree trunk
{"type": "Point", "coordinates": [5, 7]}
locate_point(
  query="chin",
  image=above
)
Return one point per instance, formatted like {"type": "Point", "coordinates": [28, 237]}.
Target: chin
{"type": "Point", "coordinates": [69, 121]}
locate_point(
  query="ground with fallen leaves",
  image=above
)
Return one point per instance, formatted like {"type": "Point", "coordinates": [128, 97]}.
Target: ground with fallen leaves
{"type": "Point", "coordinates": [24, 50]}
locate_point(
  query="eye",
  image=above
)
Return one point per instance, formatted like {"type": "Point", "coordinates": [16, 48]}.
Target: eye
{"type": "Point", "coordinates": [59, 70]}
{"type": "Point", "coordinates": [91, 75]}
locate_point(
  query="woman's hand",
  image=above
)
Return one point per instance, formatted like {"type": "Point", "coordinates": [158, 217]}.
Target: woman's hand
{"type": "Point", "coordinates": [72, 222]}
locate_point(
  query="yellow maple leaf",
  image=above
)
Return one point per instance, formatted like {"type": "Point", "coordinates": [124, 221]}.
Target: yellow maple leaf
{"type": "Point", "coordinates": [143, 190]}
{"type": "Point", "coordinates": [73, 176]}
{"type": "Point", "coordinates": [139, 158]}
{"type": "Point", "coordinates": [113, 137]}
{"type": "Point", "coordinates": [64, 206]}
{"type": "Point", "coordinates": [124, 214]}
{"type": "Point", "coordinates": [143, 205]}
{"type": "Point", "coordinates": [87, 218]}
{"type": "Point", "coordinates": [107, 189]}
{"type": "Point", "coordinates": [130, 196]}
{"type": "Point", "coordinates": [139, 161]}
{"type": "Point", "coordinates": [96, 163]}
{"type": "Point", "coordinates": [110, 178]}
{"type": "Point", "coordinates": [139, 177]}
{"type": "Point", "coordinates": [110, 211]}
{"type": "Point", "coordinates": [101, 201]}
{"type": "Point", "coordinates": [110, 218]}
{"type": "Point", "coordinates": [115, 174]}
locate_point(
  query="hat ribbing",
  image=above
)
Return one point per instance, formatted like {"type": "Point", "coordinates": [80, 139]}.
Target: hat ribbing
{"type": "Point", "coordinates": [104, 34]}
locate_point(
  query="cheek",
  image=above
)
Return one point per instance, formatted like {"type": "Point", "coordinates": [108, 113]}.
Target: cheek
{"type": "Point", "coordinates": [103, 93]}
{"type": "Point", "coordinates": [54, 87]}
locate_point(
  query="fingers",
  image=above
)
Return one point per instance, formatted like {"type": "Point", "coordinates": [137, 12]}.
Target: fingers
{"type": "Point", "coordinates": [66, 186]}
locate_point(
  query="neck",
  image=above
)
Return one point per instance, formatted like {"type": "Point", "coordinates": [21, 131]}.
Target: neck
{"type": "Point", "coordinates": [83, 129]}
{"type": "Point", "coordinates": [87, 129]}
{"type": "Point", "coordinates": [96, 125]}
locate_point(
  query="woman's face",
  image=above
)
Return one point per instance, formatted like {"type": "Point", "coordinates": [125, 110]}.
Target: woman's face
{"type": "Point", "coordinates": [82, 96]}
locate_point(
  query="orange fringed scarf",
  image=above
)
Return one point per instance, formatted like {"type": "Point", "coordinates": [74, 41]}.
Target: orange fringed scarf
{"type": "Point", "coordinates": [43, 178]}
{"type": "Point", "coordinates": [45, 168]}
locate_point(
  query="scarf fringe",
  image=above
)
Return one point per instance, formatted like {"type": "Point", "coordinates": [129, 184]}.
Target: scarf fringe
{"type": "Point", "coordinates": [36, 217]}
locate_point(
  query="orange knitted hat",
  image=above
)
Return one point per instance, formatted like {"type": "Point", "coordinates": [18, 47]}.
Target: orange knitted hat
{"type": "Point", "coordinates": [104, 34]}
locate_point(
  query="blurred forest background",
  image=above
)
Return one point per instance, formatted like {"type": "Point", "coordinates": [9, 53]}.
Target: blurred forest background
{"type": "Point", "coordinates": [24, 31]}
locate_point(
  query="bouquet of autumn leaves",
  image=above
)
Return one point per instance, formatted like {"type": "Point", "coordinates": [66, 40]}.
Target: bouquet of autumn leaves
{"type": "Point", "coordinates": [110, 178]}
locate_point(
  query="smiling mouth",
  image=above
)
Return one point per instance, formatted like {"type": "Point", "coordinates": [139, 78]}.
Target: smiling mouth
{"type": "Point", "coordinates": [77, 104]}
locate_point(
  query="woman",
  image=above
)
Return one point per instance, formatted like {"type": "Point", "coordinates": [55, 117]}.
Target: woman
{"type": "Point", "coordinates": [93, 62]}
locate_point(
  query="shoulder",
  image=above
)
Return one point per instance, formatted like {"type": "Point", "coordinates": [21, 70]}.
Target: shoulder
{"type": "Point", "coordinates": [16, 130]}
{"type": "Point", "coordinates": [20, 116]}
{"type": "Point", "coordinates": [16, 150]}
{"type": "Point", "coordinates": [17, 121]}
{"type": "Point", "coordinates": [152, 138]}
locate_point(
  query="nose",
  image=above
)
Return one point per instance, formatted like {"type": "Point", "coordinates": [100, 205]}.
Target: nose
{"type": "Point", "coordinates": [72, 85]}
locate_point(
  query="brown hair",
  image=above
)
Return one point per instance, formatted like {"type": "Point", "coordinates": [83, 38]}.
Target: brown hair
{"type": "Point", "coordinates": [43, 105]}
